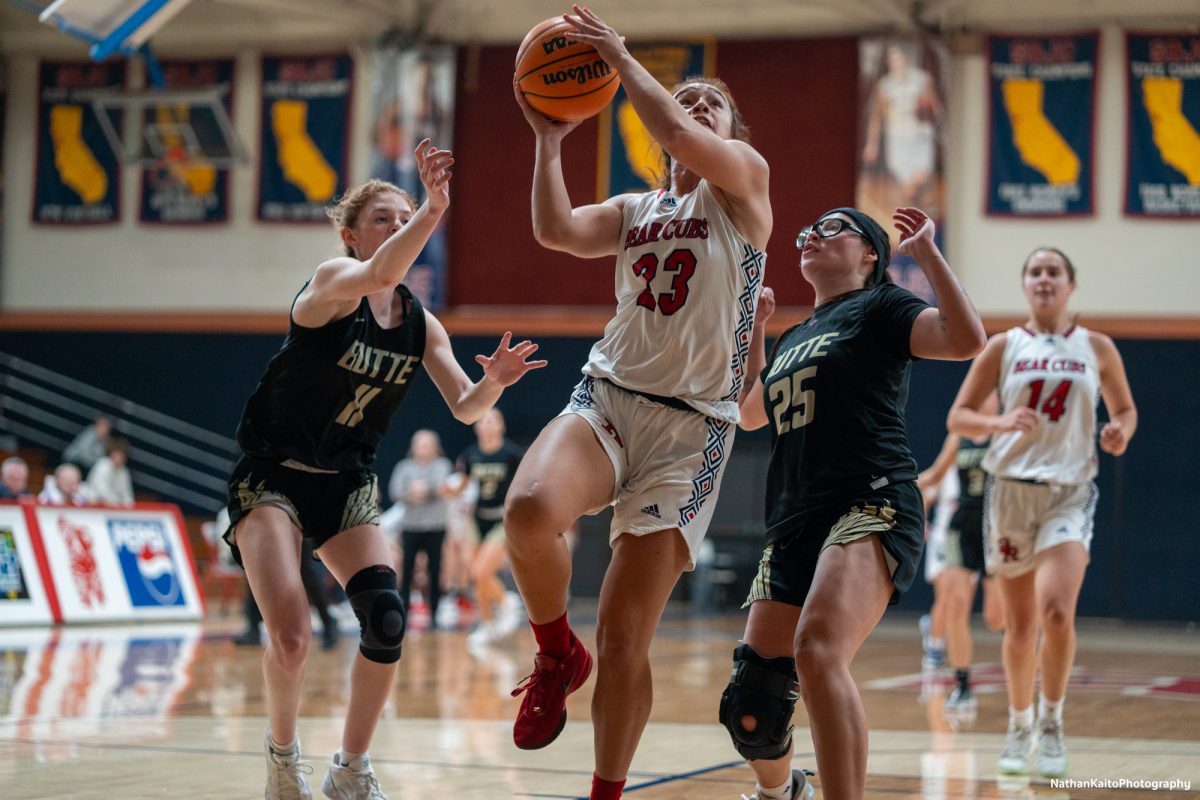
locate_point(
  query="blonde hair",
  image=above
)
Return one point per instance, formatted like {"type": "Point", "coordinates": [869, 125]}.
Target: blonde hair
{"type": "Point", "coordinates": [346, 213]}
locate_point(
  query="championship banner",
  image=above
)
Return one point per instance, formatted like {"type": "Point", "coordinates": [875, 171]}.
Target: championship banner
{"type": "Point", "coordinates": [119, 563]}
{"type": "Point", "coordinates": [78, 179]}
{"type": "Point", "coordinates": [303, 145]}
{"type": "Point", "coordinates": [1163, 178]}
{"type": "Point", "coordinates": [902, 90]}
{"type": "Point", "coordinates": [629, 160]}
{"type": "Point", "coordinates": [413, 97]}
{"type": "Point", "coordinates": [23, 597]}
{"type": "Point", "coordinates": [178, 189]}
{"type": "Point", "coordinates": [1042, 96]}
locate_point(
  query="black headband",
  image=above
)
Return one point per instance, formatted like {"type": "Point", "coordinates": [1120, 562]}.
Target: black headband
{"type": "Point", "coordinates": [876, 235]}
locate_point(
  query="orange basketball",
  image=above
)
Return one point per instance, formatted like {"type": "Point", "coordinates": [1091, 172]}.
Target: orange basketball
{"type": "Point", "coordinates": [564, 79]}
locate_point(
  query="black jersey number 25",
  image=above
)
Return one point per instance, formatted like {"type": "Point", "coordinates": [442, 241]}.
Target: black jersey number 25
{"type": "Point", "coordinates": [789, 395]}
{"type": "Point", "coordinates": [682, 263]}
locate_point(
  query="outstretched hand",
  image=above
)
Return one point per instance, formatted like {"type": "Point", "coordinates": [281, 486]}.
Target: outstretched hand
{"type": "Point", "coordinates": [433, 166]}
{"type": "Point", "coordinates": [590, 29]}
{"type": "Point", "coordinates": [915, 227]}
{"type": "Point", "coordinates": [508, 365]}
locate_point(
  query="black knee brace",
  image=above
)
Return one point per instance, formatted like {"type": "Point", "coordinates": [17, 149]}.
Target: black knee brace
{"type": "Point", "coordinates": [765, 689]}
{"type": "Point", "coordinates": [376, 602]}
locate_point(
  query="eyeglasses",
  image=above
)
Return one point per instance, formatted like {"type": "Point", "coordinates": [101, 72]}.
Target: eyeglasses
{"type": "Point", "coordinates": [825, 228]}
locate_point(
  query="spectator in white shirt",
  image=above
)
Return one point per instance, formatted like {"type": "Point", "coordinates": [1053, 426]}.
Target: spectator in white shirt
{"type": "Point", "coordinates": [65, 488]}
{"type": "Point", "coordinates": [109, 481]}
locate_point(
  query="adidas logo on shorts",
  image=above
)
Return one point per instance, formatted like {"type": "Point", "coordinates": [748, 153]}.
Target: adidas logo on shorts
{"type": "Point", "coordinates": [652, 510]}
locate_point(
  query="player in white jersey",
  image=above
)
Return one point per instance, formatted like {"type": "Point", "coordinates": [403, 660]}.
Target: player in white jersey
{"type": "Point", "coordinates": [1041, 500]}
{"type": "Point", "coordinates": [648, 428]}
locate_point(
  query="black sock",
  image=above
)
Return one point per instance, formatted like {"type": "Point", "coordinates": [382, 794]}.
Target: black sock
{"type": "Point", "coordinates": [963, 677]}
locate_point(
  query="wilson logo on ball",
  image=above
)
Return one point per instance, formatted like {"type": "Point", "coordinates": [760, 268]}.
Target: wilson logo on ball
{"type": "Point", "coordinates": [582, 74]}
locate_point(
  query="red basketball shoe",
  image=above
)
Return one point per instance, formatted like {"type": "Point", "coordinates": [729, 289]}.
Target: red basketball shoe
{"type": "Point", "coordinates": [543, 713]}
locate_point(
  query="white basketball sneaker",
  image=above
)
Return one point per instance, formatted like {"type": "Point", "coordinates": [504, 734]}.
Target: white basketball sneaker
{"type": "Point", "coordinates": [354, 781]}
{"type": "Point", "coordinates": [285, 774]}
{"type": "Point", "coordinates": [510, 616]}
{"type": "Point", "coordinates": [1051, 749]}
{"type": "Point", "coordinates": [801, 788]}
{"type": "Point", "coordinates": [483, 635]}
{"type": "Point", "coordinates": [1014, 758]}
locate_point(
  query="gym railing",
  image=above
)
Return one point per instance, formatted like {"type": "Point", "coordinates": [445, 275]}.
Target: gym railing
{"type": "Point", "coordinates": [171, 458]}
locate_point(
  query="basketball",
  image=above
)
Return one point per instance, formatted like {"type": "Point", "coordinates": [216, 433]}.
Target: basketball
{"type": "Point", "coordinates": [565, 80]}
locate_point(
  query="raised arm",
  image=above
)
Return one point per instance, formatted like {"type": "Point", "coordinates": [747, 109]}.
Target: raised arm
{"type": "Point", "coordinates": [731, 165]}
{"type": "Point", "coordinates": [952, 331]}
{"type": "Point", "coordinates": [1118, 398]}
{"type": "Point", "coordinates": [589, 231]}
{"type": "Point", "coordinates": [469, 401]}
{"type": "Point", "coordinates": [344, 280]}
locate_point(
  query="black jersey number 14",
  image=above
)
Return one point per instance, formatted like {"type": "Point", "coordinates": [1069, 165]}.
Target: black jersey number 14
{"type": "Point", "coordinates": [789, 394]}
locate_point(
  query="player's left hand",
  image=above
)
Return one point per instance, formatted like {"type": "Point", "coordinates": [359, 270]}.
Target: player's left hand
{"type": "Point", "coordinates": [1113, 439]}
{"type": "Point", "coordinates": [508, 365]}
{"type": "Point", "coordinates": [765, 307]}
{"type": "Point", "coordinates": [434, 168]}
{"type": "Point", "coordinates": [915, 227]}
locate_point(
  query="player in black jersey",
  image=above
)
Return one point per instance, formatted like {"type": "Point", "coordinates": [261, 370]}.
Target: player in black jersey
{"type": "Point", "coordinates": [844, 516]}
{"type": "Point", "coordinates": [309, 435]}
{"type": "Point", "coordinates": [962, 560]}
{"type": "Point", "coordinates": [491, 462]}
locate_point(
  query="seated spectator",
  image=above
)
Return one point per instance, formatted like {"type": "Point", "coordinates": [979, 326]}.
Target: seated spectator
{"type": "Point", "coordinates": [14, 478]}
{"type": "Point", "coordinates": [109, 481]}
{"type": "Point", "coordinates": [89, 446]}
{"type": "Point", "coordinates": [65, 488]}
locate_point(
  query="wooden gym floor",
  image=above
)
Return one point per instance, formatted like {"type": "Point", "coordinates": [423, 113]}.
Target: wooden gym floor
{"type": "Point", "coordinates": [176, 711]}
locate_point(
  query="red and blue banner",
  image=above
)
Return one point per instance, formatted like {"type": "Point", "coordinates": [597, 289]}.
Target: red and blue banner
{"type": "Point", "coordinates": [104, 564]}
{"type": "Point", "coordinates": [1163, 120]}
{"type": "Point", "coordinates": [1042, 96]}
{"type": "Point", "coordinates": [182, 188]}
{"type": "Point", "coordinates": [629, 160]}
{"type": "Point", "coordinates": [304, 144]}
{"type": "Point", "coordinates": [78, 178]}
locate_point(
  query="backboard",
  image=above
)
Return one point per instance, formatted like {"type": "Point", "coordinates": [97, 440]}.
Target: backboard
{"type": "Point", "coordinates": [170, 125]}
{"type": "Point", "coordinates": [163, 125]}
{"type": "Point", "coordinates": [111, 26]}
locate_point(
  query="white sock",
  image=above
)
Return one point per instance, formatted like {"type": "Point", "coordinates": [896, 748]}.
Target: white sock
{"type": "Point", "coordinates": [1022, 718]}
{"type": "Point", "coordinates": [783, 792]}
{"type": "Point", "coordinates": [1050, 710]}
{"type": "Point", "coordinates": [936, 644]}
{"type": "Point", "coordinates": [356, 760]}
{"type": "Point", "coordinates": [284, 749]}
